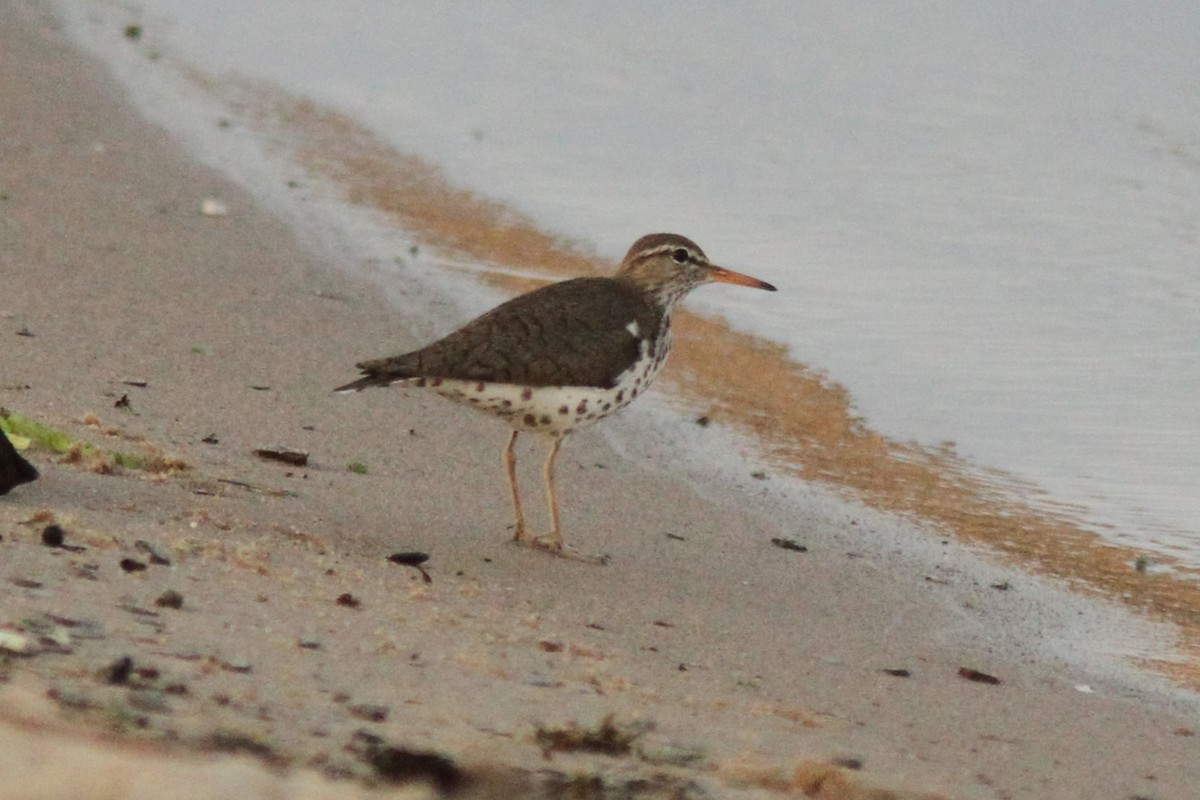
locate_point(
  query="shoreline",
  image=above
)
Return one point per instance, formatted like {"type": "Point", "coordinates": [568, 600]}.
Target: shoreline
{"type": "Point", "coordinates": [803, 424]}
{"type": "Point", "coordinates": [773, 668]}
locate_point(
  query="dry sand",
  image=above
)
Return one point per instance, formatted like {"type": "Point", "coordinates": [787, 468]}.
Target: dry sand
{"type": "Point", "coordinates": [730, 667]}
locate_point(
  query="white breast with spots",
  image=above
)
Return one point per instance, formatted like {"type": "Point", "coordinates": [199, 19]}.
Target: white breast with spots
{"type": "Point", "coordinates": [557, 410]}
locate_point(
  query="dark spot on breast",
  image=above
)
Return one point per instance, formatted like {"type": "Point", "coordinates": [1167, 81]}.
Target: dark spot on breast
{"type": "Point", "coordinates": [606, 407]}
{"type": "Point", "coordinates": [479, 387]}
{"type": "Point", "coordinates": [545, 419]}
{"type": "Point", "coordinates": [506, 403]}
{"type": "Point", "coordinates": [581, 408]}
{"type": "Point", "coordinates": [436, 382]}
{"type": "Point", "coordinates": [564, 410]}
{"type": "Point", "coordinates": [590, 416]}
{"type": "Point", "coordinates": [620, 395]}
{"type": "Point", "coordinates": [527, 394]}
{"type": "Point", "coordinates": [633, 393]}
{"type": "Point", "coordinates": [529, 419]}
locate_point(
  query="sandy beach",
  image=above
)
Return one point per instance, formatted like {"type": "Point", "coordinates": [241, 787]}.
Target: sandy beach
{"type": "Point", "coordinates": [216, 624]}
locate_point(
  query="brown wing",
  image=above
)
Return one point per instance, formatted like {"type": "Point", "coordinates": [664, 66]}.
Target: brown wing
{"type": "Point", "coordinates": [574, 333]}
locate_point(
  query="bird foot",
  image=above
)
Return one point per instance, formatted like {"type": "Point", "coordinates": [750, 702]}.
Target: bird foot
{"type": "Point", "coordinates": [554, 544]}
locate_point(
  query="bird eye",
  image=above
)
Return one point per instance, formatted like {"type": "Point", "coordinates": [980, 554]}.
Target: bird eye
{"type": "Point", "coordinates": [679, 255]}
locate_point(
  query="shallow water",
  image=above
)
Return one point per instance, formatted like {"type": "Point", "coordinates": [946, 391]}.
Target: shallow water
{"type": "Point", "coordinates": [983, 221]}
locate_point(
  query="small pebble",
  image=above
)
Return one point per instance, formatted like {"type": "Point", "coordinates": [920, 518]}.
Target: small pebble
{"type": "Point", "coordinates": [15, 642]}
{"type": "Point", "coordinates": [53, 536]}
{"type": "Point", "coordinates": [656, 752]}
{"type": "Point", "coordinates": [169, 599]}
{"type": "Point", "coordinates": [119, 671]}
{"type": "Point", "coordinates": [237, 665]}
{"type": "Point", "coordinates": [151, 700]}
{"type": "Point", "coordinates": [348, 600]}
{"type": "Point", "coordinates": [369, 712]}
{"type": "Point", "coordinates": [157, 554]}
{"type": "Point", "coordinates": [212, 207]}
{"type": "Point", "coordinates": [132, 565]}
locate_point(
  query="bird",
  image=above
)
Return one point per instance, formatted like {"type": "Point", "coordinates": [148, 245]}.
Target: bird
{"type": "Point", "coordinates": [561, 357]}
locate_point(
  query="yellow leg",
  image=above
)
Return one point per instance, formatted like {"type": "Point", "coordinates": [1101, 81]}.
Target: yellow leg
{"type": "Point", "coordinates": [554, 539]}
{"type": "Point", "coordinates": [510, 466]}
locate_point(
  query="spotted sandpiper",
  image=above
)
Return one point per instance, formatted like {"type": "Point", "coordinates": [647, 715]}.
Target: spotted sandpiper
{"type": "Point", "coordinates": [563, 356]}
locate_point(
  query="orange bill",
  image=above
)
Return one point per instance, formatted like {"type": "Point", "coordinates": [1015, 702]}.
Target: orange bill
{"type": "Point", "coordinates": [722, 275]}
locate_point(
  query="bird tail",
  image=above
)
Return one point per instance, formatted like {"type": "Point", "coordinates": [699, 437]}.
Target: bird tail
{"type": "Point", "coordinates": [360, 384]}
{"type": "Point", "coordinates": [380, 372]}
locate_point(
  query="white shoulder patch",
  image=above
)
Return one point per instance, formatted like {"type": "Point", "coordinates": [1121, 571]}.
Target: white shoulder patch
{"type": "Point", "coordinates": [633, 329]}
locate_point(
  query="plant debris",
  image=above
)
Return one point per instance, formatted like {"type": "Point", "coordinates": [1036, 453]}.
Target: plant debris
{"type": "Point", "coordinates": [297, 458]}
{"type": "Point", "coordinates": [229, 742]}
{"type": "Point", "coordinates": [789, 544]}
{"type": "Point", "coordinates": [606, 738]}
{"type": "Point", "coordinates": [370, 712]}
{"type": "Point", "coordinates": [977, 676]}
{"type": "Point", "coordinates": [412, 559]}
{"type": "Point", "coordinates": [399, 765]}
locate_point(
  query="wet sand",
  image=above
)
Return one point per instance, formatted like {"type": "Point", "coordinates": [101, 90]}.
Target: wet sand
{"type": "Point", "coordinates": [730, 666]}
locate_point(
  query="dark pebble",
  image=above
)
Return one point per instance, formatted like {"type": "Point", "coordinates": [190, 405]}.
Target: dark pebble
{"type": "Point", "coordinates": [119, 671]}
{"type": "Point", "coordinates": [53, 536]}
{"type": "Point", "coordinates": [898, 672]}
{"type": "Point", "coordinates": [348, 600]}
{"type": "Point", "coordinates": [132, 565]}
{"type": "Point", "coordinates": [414, 560]}
{"type": "Point", "coordinates": [170, 599]}
{"type": "Point", "coordinates": [789, 544]}
{"type": "Point", "coordinates": [397, 765]}
{"type": "Point", "coordinates": [411, 559]}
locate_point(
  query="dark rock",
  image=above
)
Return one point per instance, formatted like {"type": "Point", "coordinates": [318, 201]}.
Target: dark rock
{"type": "Point", "coordinates": [14, 470]}
{"type": "Point", "coordinates": [53, 536]}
